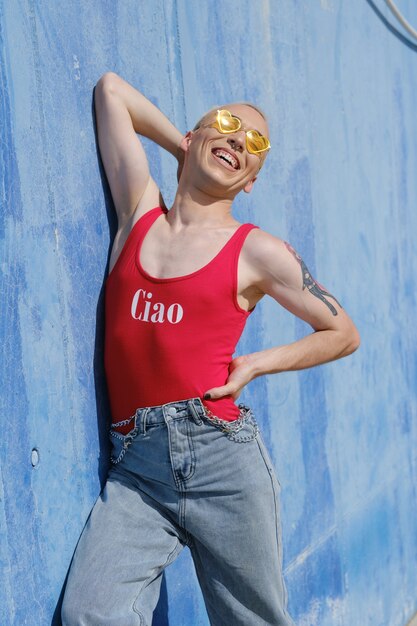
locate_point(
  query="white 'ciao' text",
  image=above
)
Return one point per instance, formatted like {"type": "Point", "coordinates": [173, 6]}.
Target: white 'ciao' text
{"type": "Point", "coordinates": [146, 311]}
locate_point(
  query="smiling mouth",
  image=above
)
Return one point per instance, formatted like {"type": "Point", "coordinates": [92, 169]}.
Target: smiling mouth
{"type": "Point", "coordinates": [227, 158]}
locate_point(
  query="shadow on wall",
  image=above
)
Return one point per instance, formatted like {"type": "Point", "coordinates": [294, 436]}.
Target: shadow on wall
{"type": "Point", "coordinates": [392, 28]}
{"type": "Point", "coordinates": [102, 401]}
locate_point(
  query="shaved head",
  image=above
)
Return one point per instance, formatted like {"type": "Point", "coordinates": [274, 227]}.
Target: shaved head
{"type": "Point", "coordinates": [225, 106]}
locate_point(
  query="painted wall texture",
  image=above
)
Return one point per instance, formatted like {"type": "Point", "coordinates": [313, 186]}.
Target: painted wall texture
{"type": "Point", "coordinates": [340, 87]}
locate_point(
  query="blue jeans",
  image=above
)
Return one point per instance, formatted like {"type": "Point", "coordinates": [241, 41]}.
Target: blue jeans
{"type": "Point", "coordinates": [180, 477]}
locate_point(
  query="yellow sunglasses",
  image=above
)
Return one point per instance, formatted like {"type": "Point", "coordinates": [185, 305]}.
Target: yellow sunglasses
{"type": "Point", "coordinates": [227, 123]}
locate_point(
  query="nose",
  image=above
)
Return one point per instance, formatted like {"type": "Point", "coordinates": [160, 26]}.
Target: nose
{"type": "Point", "coordinates": [236, 142]}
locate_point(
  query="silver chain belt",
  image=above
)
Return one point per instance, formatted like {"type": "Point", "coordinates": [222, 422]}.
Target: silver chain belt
{"type": "Point", "coordinates": [232, 426]}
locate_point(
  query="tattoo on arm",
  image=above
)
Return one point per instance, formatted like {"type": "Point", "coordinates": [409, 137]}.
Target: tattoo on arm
{"type": "Point", "coordinates": [309, 283]}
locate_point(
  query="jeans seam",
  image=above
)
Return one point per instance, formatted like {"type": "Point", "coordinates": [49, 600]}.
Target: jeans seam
{"type": "Point", "coordinates": [192, 452]}
{"type": "Point", "coordinates": [277, 522]}
{"type": "Point", "coordinates": [157, 571]}
{"type": "Point", "coordinates": [250, 420]}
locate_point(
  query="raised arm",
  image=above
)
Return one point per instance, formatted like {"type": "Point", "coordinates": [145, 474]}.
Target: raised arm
{"type": "Point", "coordinates": [274, 268]}
{"type": "Point", "coordinates": [121, 113]}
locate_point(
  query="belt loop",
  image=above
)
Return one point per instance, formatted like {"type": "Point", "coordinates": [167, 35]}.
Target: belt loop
{"type": "Point", "coordinates": [197, 419]}
{"type": "Point", "coordinates": [136, 416]}
{"type": "Point", "coordinates": [144, 416]}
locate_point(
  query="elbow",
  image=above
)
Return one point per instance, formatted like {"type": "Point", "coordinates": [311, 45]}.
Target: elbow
{"type": "Point", "coordinates": [353, 341]}
{"type": "Point", "coordinates": [107, 82]}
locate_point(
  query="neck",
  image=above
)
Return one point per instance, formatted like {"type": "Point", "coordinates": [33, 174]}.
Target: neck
{"type": "Point", "coordinates": [192, 206]}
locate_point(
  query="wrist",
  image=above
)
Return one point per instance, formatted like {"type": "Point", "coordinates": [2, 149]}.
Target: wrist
{"type": "Point", "coordinates": [251, 362]}
{"type": "Point", "coordinates": [265, 362]}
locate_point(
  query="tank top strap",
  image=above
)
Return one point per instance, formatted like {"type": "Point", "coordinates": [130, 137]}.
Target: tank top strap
{"type": "Point", "coordinates": [229, 254]}
{"type": "Point", "coordinates": [145, 222]}
{"type": "Point", "coordinates": [225, 266]}
{"type": "Point", "coordinates": [241, 234]}
{"type": "Point", "coordinates": [235, 244]}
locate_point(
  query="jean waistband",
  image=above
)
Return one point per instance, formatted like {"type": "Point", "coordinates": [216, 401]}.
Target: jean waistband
{"type": "Point", "coordinates": [148, 415]}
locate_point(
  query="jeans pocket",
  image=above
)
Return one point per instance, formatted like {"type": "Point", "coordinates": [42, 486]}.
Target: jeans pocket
{"type": "Point", "coordinates": [248, 427]}
{"type": "Point", "coordinates": [120, 443]}
{"type": "Point", "coordinates": [243, 429]}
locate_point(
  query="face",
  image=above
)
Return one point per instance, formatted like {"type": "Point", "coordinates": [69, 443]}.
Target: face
{"type": "Point", "coordinates": [222, 161]}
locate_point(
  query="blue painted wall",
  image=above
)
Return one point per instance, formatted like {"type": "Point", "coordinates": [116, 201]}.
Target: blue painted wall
{"type": "Point", "coordinates": [339, 85]}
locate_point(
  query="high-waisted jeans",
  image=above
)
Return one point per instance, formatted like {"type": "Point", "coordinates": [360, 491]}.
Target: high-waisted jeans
{"type": "Point", "coordinates": [180, 477]}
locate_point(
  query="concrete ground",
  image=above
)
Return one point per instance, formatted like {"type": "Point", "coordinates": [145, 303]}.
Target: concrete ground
{"type": "Point", "coordinates": [413, 621]}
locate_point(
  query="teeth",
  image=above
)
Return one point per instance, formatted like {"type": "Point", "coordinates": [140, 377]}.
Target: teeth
{"type": "Point", "coordinates": [228, 157]}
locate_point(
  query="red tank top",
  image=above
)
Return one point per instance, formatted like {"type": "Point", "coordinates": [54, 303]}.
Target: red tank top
{"type": "Point", "coordinates": [169, 339]}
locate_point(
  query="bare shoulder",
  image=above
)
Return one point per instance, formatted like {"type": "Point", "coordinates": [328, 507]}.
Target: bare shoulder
{"type": "Point", "coordinates": [258, 239]}
{"type": "Point", "coordinates": [263, 250]}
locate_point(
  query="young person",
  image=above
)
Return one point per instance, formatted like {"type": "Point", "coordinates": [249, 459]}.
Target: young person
{"type": "Point", "coordinates": [189, 465]}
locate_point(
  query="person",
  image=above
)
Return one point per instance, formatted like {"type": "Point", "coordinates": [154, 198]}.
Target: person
{"type": "Point", "coordinates": [189, 465]}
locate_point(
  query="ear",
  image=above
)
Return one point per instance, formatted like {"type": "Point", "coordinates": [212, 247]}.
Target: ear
{"type": "Point", "coordinates": [248, 187]}
{"type": "Point", "coordinates": [186, 140]}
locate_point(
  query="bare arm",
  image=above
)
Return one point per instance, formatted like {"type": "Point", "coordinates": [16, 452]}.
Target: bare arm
{"type": "Point", "coordinates": [121, 113]}
{"type": "Point", "coordinates": [279, 272]}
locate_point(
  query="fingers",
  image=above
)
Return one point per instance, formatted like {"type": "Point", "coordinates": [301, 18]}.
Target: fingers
{"type": "Point", "coordinates": [220, 392]}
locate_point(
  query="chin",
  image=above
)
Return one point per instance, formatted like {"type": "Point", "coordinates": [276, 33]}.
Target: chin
{"type": "Point", "coordinates": [221, 185]}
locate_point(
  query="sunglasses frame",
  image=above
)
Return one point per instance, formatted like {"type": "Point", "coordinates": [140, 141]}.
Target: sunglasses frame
{"type": "Point", "coordinates": [217, 124]}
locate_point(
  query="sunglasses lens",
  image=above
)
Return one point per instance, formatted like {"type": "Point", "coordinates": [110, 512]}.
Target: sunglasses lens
{"type": "Point", "coordinates": [227, 123]}
{"type": "Point", "coordinates": [256, 143]}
